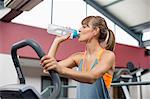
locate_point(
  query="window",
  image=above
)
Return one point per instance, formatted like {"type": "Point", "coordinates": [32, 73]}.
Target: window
{"type": "Point", "coordinates": [39, 16]}
{"type": "Point", "coordinates": [124, 38]}
{"type": "Point", "coordinates": [121, 36]}
{"type": "Point", "coordinates": [68, 13]}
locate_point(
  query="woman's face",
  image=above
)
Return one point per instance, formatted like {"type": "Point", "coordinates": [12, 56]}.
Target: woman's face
{"type": "Point", "coordinates": [85, 32]}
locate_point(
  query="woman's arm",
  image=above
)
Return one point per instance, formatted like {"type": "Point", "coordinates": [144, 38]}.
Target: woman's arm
{"type": "Point", "coordinates": [70, 62]}
{"type": "Point", "coordinates": [55, 44]}
{"type": "Point", "coordinates": [53, 49]}
{"type": "Point", "coordinates": [102, 67]}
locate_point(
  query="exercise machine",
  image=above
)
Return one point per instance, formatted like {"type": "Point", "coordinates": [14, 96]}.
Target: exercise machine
{"type": "Point", "coordinates": [23, 91]}
{"type": "Point", "coordinates": [122, 76]}
{"type": "Point", "coordinates": [128, 77]}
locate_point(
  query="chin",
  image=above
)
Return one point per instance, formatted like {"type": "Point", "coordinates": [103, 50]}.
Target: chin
{"type": "Point", "coordinates": [81, 40]}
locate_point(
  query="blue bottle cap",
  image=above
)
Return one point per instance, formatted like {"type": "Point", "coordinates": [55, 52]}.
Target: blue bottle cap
{"type": "Point", "coordinates": [75, 34]}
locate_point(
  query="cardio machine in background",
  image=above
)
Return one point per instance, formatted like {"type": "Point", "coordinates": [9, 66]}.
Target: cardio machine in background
{"type": "Point", "coordinates": [131, 76]}
{"type": "Point", "coordinates": [23, 91]}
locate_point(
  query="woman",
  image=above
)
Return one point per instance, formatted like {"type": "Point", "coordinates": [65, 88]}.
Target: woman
{"type": "Point", "coordinates": [95, 63]}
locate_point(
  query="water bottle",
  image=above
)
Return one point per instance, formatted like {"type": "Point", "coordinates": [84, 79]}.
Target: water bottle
{"type": "Point", "coordinates": [60, 31]}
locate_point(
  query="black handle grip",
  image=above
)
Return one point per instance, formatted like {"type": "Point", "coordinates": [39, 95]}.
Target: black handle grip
{"type": "Point", "coordinates": [54, 76]}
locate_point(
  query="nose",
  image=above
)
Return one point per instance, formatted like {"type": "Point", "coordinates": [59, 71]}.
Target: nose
{"type": "Point", "coordinates": [79, 30]}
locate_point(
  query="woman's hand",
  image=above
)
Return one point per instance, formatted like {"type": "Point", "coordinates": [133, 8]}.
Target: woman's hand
{"type": "Point", "coordinates": [59, 39]}
{"type": "Point", "coordinates": [50, 63]}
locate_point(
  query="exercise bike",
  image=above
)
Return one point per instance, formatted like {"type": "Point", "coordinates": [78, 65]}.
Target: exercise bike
{"type": "Point", "coordinates": [23, 91]}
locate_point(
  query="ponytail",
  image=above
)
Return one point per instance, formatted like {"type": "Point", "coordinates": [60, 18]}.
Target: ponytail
{"type": "Point", "coordinates": [110, 41]}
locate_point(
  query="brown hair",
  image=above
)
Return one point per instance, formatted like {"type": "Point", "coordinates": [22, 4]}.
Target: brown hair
{"type": "Point", "coordinates": [106, 35]}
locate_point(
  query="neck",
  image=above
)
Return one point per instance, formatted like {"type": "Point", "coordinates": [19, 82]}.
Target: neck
{"type": "Point", "coordinates": [93, 47]}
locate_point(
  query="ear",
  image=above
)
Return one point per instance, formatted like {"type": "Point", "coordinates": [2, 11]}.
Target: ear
{"type": "Point", "coordinates": [96, 31]}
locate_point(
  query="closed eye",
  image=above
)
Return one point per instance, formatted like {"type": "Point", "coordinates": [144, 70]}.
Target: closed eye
{"type": "Point", "coordinates": [84, 26]}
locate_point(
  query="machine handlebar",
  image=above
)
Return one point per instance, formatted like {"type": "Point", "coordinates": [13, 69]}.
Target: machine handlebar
{"type": "Point", "coordinates": [54, 76]}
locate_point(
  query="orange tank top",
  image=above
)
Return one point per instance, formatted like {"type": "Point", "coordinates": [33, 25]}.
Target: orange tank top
{"type": "Point", "coordinates": [107, 77]}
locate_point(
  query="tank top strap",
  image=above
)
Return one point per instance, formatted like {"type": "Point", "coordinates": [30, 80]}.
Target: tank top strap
{"type": "Point", "coordinates": [88, 67]}
{"type": "Point", "coordinates": [98, 57]}
{"type": "Point", "coordinates": [100, 53]}
{"type": "Point", "coordinates": [80, 65]}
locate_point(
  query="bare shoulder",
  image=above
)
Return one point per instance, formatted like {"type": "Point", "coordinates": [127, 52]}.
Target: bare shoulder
{"type": "Point", "coordinates": [77, 57]}
{"type": "Point", "coordinates": [108, 55]}
{"type": "Point", "coordinates": [108, 59]}
{"type": "Point", "coordinates": [111, 53]}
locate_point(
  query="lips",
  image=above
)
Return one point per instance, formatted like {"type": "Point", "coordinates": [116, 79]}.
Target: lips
{"type": "Point", "coordinates": [78, 35]}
